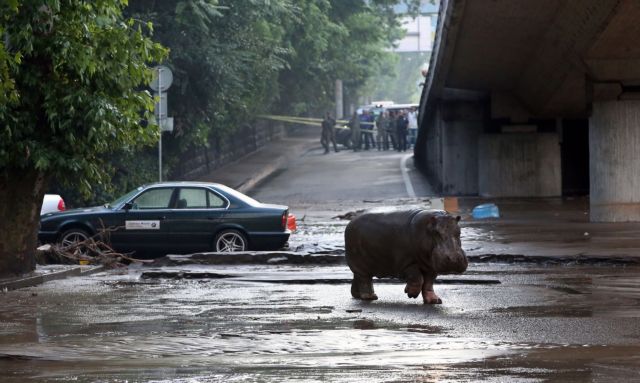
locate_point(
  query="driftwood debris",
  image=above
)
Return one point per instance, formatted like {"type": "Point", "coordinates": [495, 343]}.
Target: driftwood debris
{"type": "Point", "coordinates": [95, 250]}
{"type": "Point", "coordinates": [348, 216]}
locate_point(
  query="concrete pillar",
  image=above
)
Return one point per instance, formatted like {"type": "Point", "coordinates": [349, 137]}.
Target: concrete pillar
{"type": "Point", "coordinates": [460, 157]}
{"type": "Point", "coordinates": [614, 161]}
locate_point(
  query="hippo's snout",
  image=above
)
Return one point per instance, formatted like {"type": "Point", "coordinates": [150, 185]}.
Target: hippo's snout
{"type": "Point", "coordinates": [450, 262]}
{"type": "Point", "coordinates": [462, 262]}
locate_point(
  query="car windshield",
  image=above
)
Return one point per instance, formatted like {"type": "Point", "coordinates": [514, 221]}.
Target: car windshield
{"type": "Point", "coordinates": [236, 194]}
{"type": "Point", "coordinates": [123, 199]}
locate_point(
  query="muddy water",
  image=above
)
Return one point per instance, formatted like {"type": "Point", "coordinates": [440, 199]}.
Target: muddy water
{"type": "Point", "coordinates": [553, 323]}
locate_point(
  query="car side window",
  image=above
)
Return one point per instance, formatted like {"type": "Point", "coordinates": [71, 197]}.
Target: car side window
{"type": "Point", "coordinates": [153, 199]}
{"type": "Point", "coordinates": [192, 198]}
{"type": "Point", "coordinates": [215, 202]}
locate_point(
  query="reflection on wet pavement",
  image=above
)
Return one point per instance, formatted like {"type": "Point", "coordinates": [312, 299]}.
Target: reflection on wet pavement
{"type": "Point", "coordinates": [542, 323]}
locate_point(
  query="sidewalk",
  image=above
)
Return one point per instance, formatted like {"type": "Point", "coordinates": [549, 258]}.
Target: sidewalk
{"type": "Point", "coordinates": [247, 172]}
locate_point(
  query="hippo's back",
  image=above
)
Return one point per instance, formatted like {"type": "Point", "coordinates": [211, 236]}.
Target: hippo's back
{"type": "Point", "coordinates": [378, 244]}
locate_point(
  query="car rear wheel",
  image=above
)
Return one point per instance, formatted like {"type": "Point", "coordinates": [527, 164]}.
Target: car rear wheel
{"type": "Point", "coordinates": [230, 241]}
{"type": "Point", "coordinates": [72, 237]}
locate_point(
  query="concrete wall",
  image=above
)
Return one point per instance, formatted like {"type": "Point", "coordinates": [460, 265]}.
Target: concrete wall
{"type": "Point", "coordinates": [226, 149]}
{"type": "Point", "coordinates": [451, 154]}
{"type": "Point", "coordinates": [614, 163]}
{"type": "Point", "coordinates": [431, 162]}
{"type": "Point", "coordinates": [460, 162]}
{"type": "Point", "coordinates": [519, 165]}
{"type": "Point", "coordinates": [460, 152]}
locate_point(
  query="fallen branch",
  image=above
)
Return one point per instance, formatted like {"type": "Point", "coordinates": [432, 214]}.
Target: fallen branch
{"type": "Point", "coordinates": [95, 250]}
{"type": "Point", "coordinates": [348, 216]}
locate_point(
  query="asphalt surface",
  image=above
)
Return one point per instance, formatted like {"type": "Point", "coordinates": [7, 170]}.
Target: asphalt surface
{"type": "Point", "coordinates": [315, 177]}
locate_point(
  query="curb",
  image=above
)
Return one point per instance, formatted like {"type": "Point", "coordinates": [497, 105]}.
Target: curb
{"type": "Point", "coordinates": [279, 164]}
{"type": "Point", "coordinates": [35, 280]}
{"type": "Point", "coordinates": [265, 173]}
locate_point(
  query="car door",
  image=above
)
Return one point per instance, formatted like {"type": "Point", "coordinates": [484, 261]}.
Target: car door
{"type": "Point", "coordinates": [197, 214]}
{"type": "Point", "coordinates": [145, 223]}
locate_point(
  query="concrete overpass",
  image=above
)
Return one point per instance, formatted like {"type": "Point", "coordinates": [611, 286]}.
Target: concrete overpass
{"type": "Point", "coordinates": [536, 98]}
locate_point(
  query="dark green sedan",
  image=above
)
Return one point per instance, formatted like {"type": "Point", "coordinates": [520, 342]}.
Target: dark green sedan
{"type": "Point", "coordinates": [175, 217]}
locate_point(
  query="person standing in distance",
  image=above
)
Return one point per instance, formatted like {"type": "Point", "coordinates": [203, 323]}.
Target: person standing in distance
{"type": "Point", "coordinates": [401, 131]}
{"type": "Point", "coordinates": [328, 133]}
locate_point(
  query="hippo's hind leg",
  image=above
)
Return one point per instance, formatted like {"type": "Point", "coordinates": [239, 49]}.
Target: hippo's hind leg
{"type": "Point", "coordinates": [414, 279]}
{"type": "Point", "coordinates": [362, 288]}
{"type": "Point", "coordinates": [428, 295]}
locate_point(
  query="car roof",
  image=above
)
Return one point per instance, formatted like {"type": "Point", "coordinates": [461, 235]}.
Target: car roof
{"type": "Point", "coordinates": [182, 183]}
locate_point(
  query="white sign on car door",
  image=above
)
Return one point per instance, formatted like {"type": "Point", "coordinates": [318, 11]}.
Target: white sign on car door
{"type": "Point", "coordinates": [142, 225]}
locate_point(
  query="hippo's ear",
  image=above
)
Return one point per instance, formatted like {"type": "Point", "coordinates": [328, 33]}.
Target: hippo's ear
{"type": "Point", "coordinates": [457, 218]}
{"type": "Point", "coordinates": [431, 223]}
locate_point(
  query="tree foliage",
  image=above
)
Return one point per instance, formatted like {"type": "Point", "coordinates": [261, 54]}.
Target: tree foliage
{"type": "Point", "coordinates": [76, 73]}
{"type": "Point", "coordinates": [8, 94]}
{"type": "Point", "coordinates": [223, 56]}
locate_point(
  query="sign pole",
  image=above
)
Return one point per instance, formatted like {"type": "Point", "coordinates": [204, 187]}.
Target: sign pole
{"type": "Point", "coordinates": [160, 127]}
{"type": "Point", "coordinates": [163, 77]}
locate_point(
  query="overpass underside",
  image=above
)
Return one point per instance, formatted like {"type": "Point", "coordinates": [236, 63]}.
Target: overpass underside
{"type": "Point", "coordinates": [534, 99]}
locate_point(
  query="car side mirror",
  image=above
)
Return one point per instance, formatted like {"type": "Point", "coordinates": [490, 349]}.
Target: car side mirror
{"type": "Point", "coordinates": [128, 206]}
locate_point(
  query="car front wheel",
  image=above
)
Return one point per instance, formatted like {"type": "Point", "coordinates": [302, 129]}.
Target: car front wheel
{"type": "Point", "coordinates": [230, 241]}
{"type": "Point", "coordinates": [72, 237]}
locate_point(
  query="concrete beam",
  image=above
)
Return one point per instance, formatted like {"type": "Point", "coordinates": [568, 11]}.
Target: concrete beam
{"type": "Point", "coordinates": [575, 28]}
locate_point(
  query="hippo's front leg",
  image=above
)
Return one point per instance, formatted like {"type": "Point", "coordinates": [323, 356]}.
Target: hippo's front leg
{"type": "Point", "coordinates": [362, 288]}
{"type": "Point", "coordinates": [428, 295]}
{"type": "Point", "coordinates": [414, 279]}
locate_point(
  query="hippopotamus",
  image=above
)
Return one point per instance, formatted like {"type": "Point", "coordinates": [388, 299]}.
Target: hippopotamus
{"type": "Point", "coordinates": [415, 245]}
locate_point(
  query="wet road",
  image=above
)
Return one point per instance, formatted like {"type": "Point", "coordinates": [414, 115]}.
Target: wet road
{"type": "Point", "coordinates": [553, 323]}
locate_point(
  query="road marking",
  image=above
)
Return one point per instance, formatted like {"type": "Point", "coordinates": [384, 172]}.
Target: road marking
{"type": "Point", "coordinates": [405, 176]}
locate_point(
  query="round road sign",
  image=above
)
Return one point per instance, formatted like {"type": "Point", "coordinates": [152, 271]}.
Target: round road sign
{"type": "Point", "coordinates": [162, 78]}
